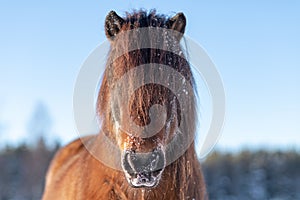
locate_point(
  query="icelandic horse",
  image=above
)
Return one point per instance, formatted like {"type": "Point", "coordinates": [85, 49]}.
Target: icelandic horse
{"type": "Point", "coordinates": [75, 173]}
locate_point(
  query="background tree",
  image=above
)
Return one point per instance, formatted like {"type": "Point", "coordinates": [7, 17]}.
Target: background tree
{"type": "Point", "coordinates": [40, 126]}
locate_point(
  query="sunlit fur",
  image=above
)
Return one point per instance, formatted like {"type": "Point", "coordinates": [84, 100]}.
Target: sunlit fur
{"type": "Point", "coordinates": [75, 174]}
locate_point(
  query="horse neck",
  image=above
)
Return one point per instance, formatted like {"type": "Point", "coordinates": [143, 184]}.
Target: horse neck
{"type": "Point", "coordinates": [185, 176]}
{"type": "Point", "coordinates": [184, 167]}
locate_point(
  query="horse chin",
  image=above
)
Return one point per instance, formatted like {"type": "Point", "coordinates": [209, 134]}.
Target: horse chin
{"type": "Point", "coordinates": [144, 179]}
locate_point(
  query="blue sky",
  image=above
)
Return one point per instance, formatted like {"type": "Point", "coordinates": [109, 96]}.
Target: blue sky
{"type": "Point", "coordinates": [255, 46]}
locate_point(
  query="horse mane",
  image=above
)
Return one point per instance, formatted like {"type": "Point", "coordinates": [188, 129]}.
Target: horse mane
{"type": "Point", "coordinates": [149, 94]}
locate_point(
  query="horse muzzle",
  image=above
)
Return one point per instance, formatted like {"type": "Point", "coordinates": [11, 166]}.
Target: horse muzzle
{"type": "Point", "coordinates": [143, 169]}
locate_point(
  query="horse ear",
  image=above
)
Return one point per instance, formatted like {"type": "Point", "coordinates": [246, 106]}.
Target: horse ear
{"type": "Point", "coordinates": [177, 23]}
{"type": "Point", "coordinates": [113, 24]}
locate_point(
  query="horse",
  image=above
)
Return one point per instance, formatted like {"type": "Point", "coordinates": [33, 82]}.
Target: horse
{"type": "Point", "coordinates": [145, 173]}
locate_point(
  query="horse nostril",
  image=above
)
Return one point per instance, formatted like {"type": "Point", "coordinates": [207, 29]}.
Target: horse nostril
{"type": "Point", "coordinates": [143, 162]}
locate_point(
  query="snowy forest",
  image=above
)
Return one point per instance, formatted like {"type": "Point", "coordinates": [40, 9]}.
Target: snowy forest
{"type": "Point", "coordinates": [239, 175]}
{"type": "Point", "coordinates": [244, 175]}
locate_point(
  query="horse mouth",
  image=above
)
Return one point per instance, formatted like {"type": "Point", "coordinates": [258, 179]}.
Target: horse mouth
{"type": "Point", "coordinates": [144, 179]}
{"type": "Point", "coordinates": [143, 169]}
